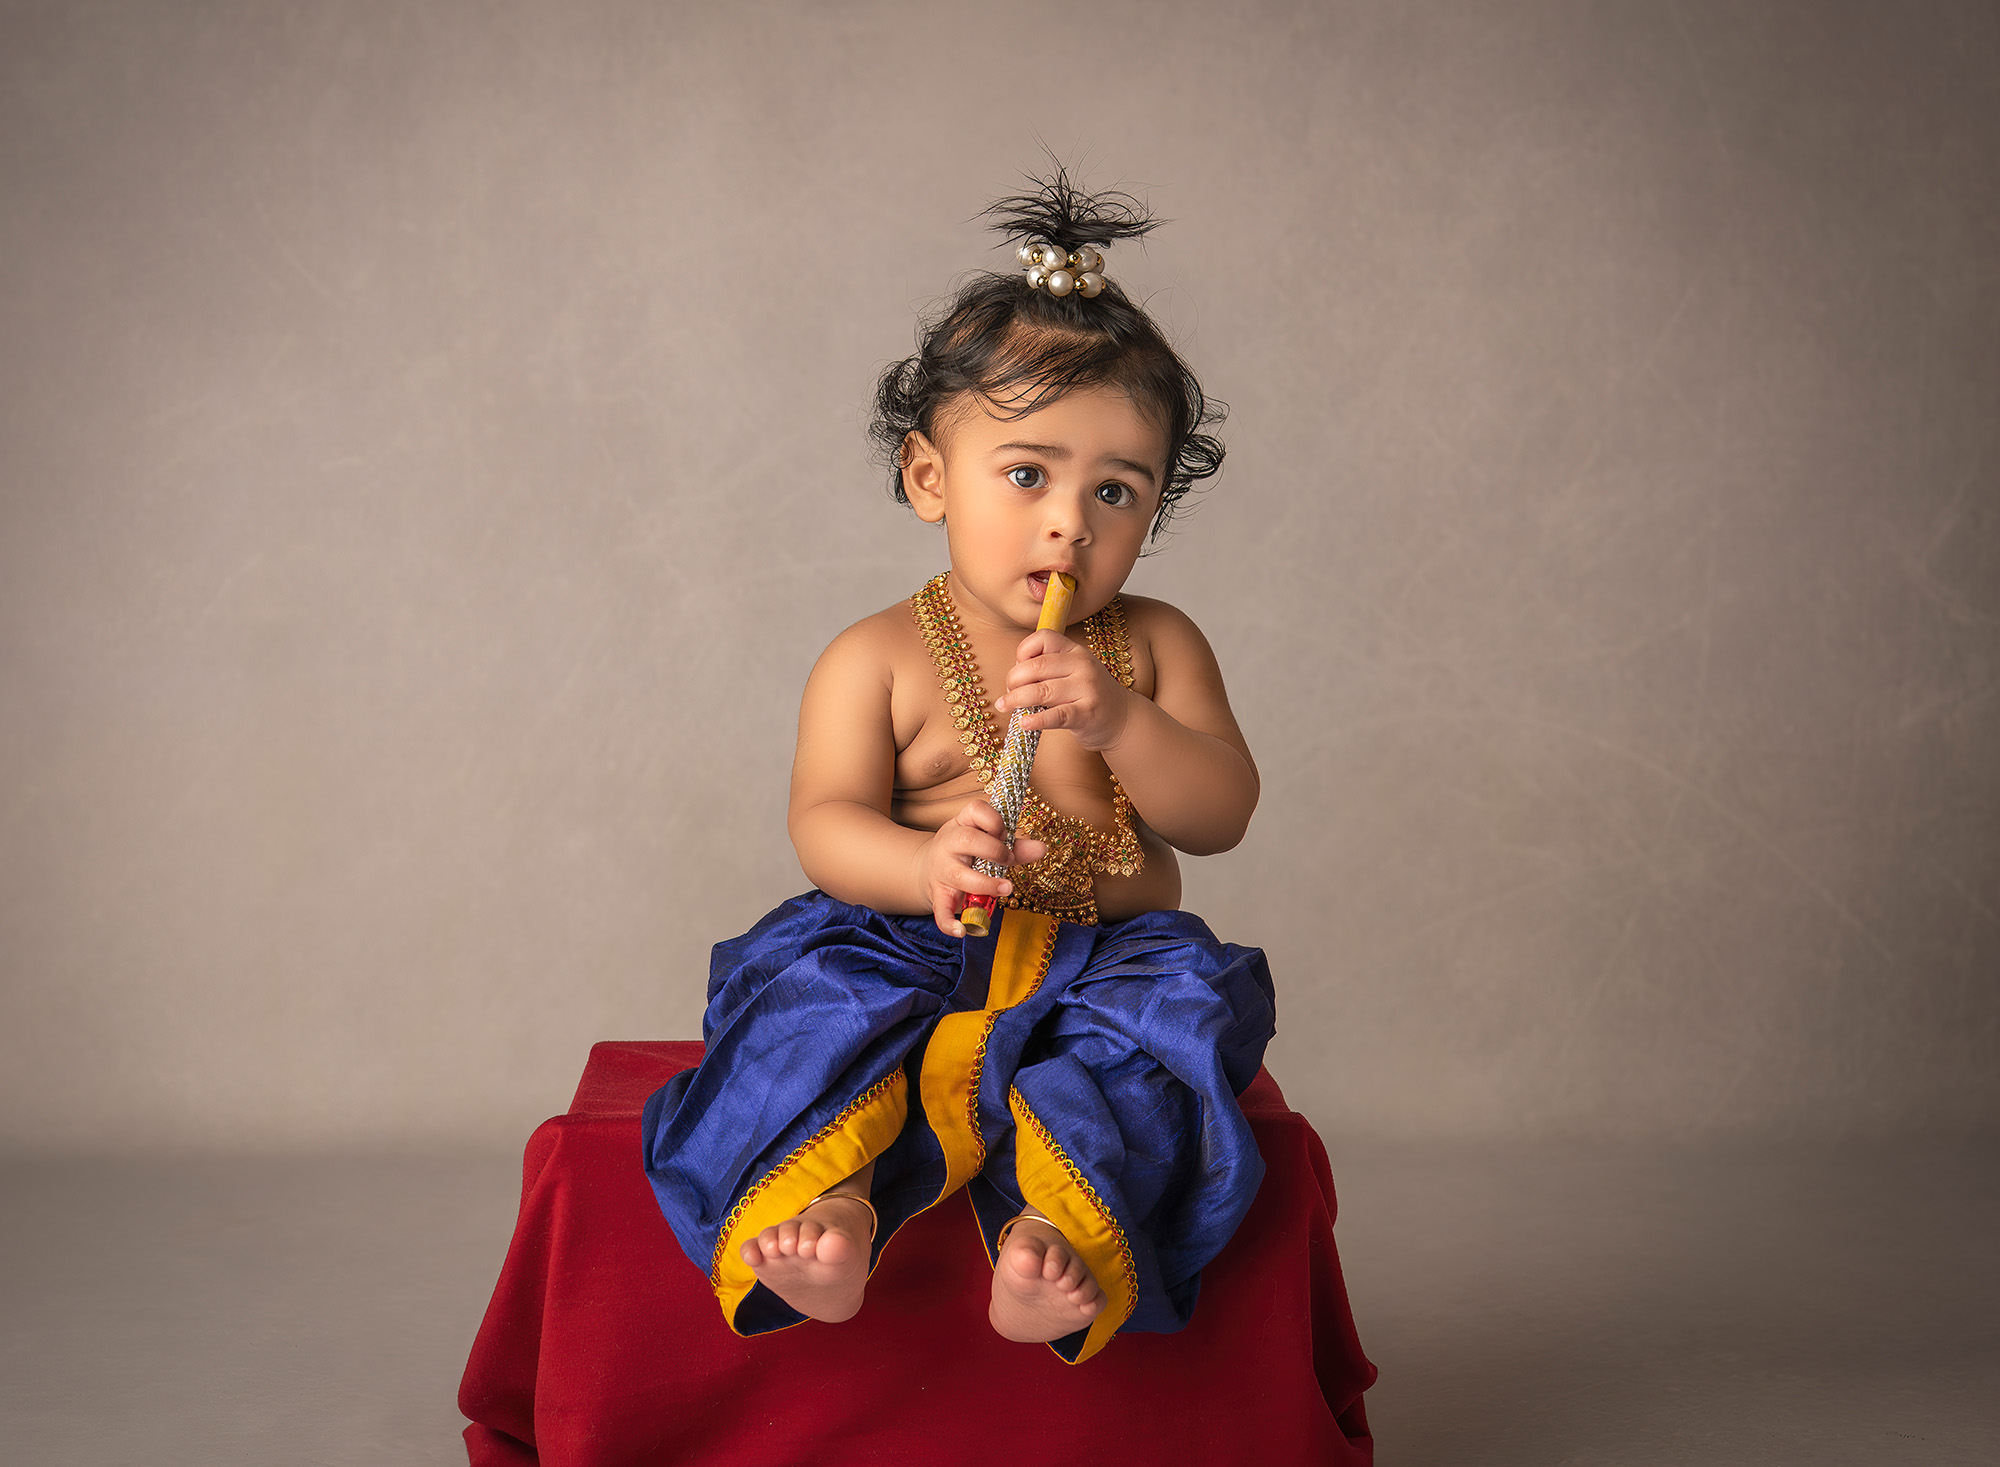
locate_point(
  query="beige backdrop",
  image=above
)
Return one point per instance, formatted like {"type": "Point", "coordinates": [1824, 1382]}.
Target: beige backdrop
{"type": "Point", "coordinates": [433, 458]}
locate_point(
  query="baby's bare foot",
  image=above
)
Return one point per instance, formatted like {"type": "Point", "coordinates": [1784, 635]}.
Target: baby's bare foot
{"type": "Point", "coordinates": [817, 1262]}
{"type": "Point", "coordinates": [1041, 1290]}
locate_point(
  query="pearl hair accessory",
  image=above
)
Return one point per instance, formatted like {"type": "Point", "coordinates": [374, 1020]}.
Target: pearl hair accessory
{"type": "Point", "coordinates": [1059, 271]}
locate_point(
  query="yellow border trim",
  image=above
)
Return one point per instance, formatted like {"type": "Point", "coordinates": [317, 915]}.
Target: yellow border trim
{"type": "Point", "coordinates": [1021, 956]}
{"type": "Point", "coordinates": [839, 1149]}
{"type": "Point", "coordinates": [950, 1086]}
{"type": "Point", "coordinates": [1052, 1185]}
{"type": "Point", "coordinates": [957, 1054]}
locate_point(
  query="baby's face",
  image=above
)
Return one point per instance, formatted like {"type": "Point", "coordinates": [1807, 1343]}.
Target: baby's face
{"type": "Point", "coordinates": [1071, 487]}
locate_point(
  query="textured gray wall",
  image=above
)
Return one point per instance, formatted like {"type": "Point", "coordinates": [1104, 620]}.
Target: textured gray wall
{"type": "Point", "coordinates": [433, 458]}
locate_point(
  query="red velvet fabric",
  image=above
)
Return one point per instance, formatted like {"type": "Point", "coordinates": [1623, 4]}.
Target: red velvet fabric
{"type": "Point", "coordinates": [603, 1345]}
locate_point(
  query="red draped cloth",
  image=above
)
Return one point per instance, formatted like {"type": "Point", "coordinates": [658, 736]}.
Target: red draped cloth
{"type": "Point", "coordinates": [603, 1345]}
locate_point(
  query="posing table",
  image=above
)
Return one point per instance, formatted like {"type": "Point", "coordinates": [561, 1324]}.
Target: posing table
{"type": "Point", "coordinates": [603, 1345]}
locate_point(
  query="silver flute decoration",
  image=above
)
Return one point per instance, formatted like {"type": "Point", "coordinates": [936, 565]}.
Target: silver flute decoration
{"type": "Point", "coordinates": [1009, 790]}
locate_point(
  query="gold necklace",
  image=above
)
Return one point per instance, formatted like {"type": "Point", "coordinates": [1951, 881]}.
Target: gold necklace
{"type": "Point", "coordinates": [1060, 882]}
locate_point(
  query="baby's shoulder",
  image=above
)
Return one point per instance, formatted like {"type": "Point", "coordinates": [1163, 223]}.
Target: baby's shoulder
{"type": "Point", "coordinates": [1148, 616]}
{"type": "Point", "coordinates": [880, 634]}
{"type": "Point", "coordinates": [873, 649]}
{"type": "Point", "coordinates": [1161, 636]}
{"type": "Point", "coordinates": [881, 657]}
{"type": "Point", "coordinates": [891, 636]}
{"type": "Point", "coordinates": [881, 663]}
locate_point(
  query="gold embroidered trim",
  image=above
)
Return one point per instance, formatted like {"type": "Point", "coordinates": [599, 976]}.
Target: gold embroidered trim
{"type": "Point", "coordinates": [972, 1093]}
{"type": "Point", "coordinates": [839, 1123]}
{"type": "Point", "coordinates": [1060, 883]}
{"type": "Point", "coordinates": [1077, 1179]}
{"type": "Point", "coordinates": [1041, 971]}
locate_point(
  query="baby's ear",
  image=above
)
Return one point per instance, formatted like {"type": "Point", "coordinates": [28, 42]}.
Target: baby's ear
{"type": "Point", "coordinates": [923, 477]}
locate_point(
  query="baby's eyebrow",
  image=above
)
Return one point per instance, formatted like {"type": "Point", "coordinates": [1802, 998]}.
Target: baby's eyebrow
{"type": "Point", "coordinates": [1061, 454]}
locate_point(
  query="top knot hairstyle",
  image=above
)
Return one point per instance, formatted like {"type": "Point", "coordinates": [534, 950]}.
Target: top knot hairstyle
{"type": "Point", "coordinates": [1004, 340]}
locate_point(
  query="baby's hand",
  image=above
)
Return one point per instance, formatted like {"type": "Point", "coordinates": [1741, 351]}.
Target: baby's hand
{"type": "Point", "coordinates": [944, 862]}
{"type": "Point", "coordinates": [1070, 686]}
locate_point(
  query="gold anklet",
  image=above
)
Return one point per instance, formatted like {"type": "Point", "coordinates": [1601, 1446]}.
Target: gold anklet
{"type": "Point", "coordinates": [874, 1219]}
{"type": "Point", "coordinates": [1000, 1240]}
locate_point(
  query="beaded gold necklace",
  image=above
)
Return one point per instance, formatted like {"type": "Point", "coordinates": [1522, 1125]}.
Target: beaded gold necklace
{"type": "Point", "coordinates": [1059, 884]}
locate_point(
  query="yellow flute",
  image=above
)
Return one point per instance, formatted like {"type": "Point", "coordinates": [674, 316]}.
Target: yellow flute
{"type": "Point", "coordinates": [1009, 790]}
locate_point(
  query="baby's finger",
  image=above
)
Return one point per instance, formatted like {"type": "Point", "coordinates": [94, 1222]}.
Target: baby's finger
{"type": "Point", "coordinates": [979, 814]}
{"type": "Point", "coordinates": [944, 911]}
{"type": "Point", "coordinates": [977, 845]}
{"type": "Point", "coordinates": [1050, 715]}
{"type": "Point", "coordinates": [972, 879]}
{"type": "Point", "coordinates": [1028, 849]}
{"type": "Point", "coordinates": [948, 899]}
{"type": "Point", "coordinates": [1038, 693]}
{"type": "Point", "coordinates": [1042, 644]}
{"type": "Point", "coordinates": [1048, 663]}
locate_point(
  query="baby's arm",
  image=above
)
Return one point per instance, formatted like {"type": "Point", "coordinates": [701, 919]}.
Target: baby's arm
{"type": "Point", "coordinates": [1178, 754]}
{"type": "Point", "coordinates": [843, 778]}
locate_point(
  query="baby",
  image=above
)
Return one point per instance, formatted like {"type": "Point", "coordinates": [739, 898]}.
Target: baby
{"type": "Point", "coordinates": [1077, 1070]}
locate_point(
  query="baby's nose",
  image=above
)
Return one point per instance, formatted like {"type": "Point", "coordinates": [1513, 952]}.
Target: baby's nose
{"type": "Point", "coordinates": [1066, 522]}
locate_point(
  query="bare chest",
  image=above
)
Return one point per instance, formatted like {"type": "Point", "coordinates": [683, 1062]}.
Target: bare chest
{"type": "Point", "coordinates": [948, 737]}
{"type": "Point", "coordinates": [935, 777]}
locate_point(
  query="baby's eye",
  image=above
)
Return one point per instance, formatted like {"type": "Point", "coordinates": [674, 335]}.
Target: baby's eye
{"type": "Point", "coordinates": [1034, 480]}
{"type": "Point", "coordinates": [1115, 494]}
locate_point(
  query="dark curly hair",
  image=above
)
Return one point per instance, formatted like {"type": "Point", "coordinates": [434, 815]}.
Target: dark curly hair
{"type": "Point", "coordinates": [1001, 339]}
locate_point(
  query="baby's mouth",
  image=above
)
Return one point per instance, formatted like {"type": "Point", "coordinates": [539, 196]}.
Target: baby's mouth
{"type": "Point", "coordinates": [1038, 583]}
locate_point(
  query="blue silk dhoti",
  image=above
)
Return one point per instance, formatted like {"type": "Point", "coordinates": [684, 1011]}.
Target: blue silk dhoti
{"type": "Point", "coordinates": [1088, 1071]}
